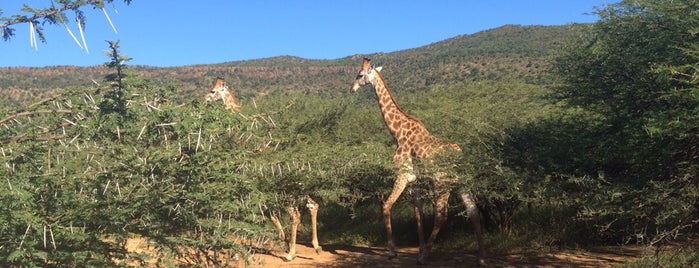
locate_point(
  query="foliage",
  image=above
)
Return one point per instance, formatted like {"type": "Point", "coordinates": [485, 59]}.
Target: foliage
{"type": "Point", "coordinates": [88, 169]}
{"type": "Point", "coordinates": [482, 118]}
{"type": "Point", "coordinates": [83, 176]}
{"type": "Point", "coordinates": [320, 133]}
{"type": "Point", "coordinates": [680, 257]}
{"type": "Point", "coordinates": [634, 76]}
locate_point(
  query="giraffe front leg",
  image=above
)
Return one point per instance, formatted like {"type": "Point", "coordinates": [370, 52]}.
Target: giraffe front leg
{"type": "Point", "coordinates": [398, 187]}
{"type": "Point", "coordinates": [313, 210]}
{"type": "Point", "coordinates": [295, 216]}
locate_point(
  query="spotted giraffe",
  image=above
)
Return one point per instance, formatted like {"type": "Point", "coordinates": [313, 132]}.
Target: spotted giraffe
{"type": "Point", "coordinates": [416, 145]}
{"type": "Point", "coordinates": [219, 91]}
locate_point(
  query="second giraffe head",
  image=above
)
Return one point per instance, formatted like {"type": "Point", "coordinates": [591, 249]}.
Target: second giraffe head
{"type": "Point", "coordinates": [365, 75]}
{"type": "Point", "coordinates": [219, 91]}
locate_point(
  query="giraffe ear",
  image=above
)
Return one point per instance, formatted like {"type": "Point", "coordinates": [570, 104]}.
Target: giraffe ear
{"type": "Point", "coordinates": [378, 69]}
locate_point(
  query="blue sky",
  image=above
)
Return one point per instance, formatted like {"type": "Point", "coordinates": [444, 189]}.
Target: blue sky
{"type": "Point", "coordinates": [175, 33]}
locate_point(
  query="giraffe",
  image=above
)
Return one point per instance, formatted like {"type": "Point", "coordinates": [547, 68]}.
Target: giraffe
{"type": "Point", "coordinates": [415, 144]}
{"type": "Point", "coordinates": [219, 91]}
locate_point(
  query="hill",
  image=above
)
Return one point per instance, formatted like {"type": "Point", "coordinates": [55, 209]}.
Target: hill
{"type": "Point", "coordinates": [507, 52]}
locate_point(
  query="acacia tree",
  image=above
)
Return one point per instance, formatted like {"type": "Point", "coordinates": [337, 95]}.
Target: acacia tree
{"type": "Point", "coordinates": [84, 171]}
{"type": "Point", "coordinates": [635, 75]}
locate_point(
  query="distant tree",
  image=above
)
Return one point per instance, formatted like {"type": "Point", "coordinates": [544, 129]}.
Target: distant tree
{"type": "Point", "coordinates": [115, 99]}
{"type": "Point", "coordinates": [55, 14]}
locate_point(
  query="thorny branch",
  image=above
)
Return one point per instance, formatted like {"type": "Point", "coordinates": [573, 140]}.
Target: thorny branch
{"type": "Point", "coordinates": [50, 15]}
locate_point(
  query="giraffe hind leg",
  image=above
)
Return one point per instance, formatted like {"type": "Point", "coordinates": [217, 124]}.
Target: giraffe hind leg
{"type": "Point", "coordinates": [440, 216]}
{"type": "Point", "coordinates": [475, 217]}
{"type": "Point", "coordinates": [419, 213]}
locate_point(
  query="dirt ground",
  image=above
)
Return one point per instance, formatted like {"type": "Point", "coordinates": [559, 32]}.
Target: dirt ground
{"type": "Point", "coordinates": [341, 256]}
{"type": "Point", "coordinates": [351, 256]}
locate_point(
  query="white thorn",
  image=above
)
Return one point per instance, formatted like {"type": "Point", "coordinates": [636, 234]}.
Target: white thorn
{"type": "Point", "coordinates": [32, 37]}
{"type": "Point", "coordinates": [82, 35]}
{"type": "Point", "coordinates": [110, 20]}
{"type": "Point", "coordinates": [72, 35]}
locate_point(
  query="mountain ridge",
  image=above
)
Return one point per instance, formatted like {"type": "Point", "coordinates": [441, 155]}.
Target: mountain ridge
{"type": "Point", "coordinates": [506, 52]}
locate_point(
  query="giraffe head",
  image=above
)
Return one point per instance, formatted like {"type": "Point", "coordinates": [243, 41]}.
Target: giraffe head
{"type": "Point", "coordinates": [219, 91]}
{"type": "Point", "coordinates": [365, 75]}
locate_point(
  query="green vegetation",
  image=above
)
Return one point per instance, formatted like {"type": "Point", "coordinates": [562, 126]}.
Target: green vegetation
{"type": "Point", "coordinates": [637, 79]}
{"type": "Point", "coordinates": [572, 136]}
{"type": "Point", "coordinates": [677, 257]}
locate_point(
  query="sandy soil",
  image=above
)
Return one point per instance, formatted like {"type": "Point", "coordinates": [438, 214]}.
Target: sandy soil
{"type": "Point", "coordinates": [354, 256]}
{"type": "Point", "coordinates": [350, 256]}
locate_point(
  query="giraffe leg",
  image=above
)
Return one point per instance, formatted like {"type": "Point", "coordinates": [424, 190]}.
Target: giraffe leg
{"type": "Point", "coordinates": [417, 203]}
{"type": "Point", "coordinates": [278, 226]}
{"type": "Point", "coordinates": [313, 210]}
{"type": "Point", "coordinates": [295, 216]}
{"type": "Point", "coordinates": [440, 216]}
{"type": "Point", "coordinates": [475, 217]}
{"type": "Point", "coordinates": [398, 187]}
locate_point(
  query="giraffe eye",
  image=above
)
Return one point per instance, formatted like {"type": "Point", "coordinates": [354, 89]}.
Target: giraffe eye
{"type": "Point", "coordinates": [360, 76]}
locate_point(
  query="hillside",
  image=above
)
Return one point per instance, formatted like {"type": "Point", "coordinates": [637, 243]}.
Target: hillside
{"type": "Point", "coordinates": [519, 52]}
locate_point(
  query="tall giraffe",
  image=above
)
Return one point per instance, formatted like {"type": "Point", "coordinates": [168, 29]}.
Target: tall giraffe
{"type": "Point", "coordinates": [416, 143]}
{"type": "Point", "coordinates": [219, 91]}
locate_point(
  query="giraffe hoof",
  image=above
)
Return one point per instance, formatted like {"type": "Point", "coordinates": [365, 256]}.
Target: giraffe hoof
{"type": "Point", "coordinates": [288, 258]}
{"type": "Point", "coordinates": [319, 249]}
{"type": "Point", "coordinates": [421, 260]}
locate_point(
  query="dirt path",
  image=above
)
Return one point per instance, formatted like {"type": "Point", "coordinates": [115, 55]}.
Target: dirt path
{"type": "Point", "coordinates": [350, 256]}
{"type": "Point", "coordinates": [342, 256]}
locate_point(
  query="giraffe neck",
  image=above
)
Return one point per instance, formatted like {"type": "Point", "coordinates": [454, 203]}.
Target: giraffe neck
{"type": "Point", "coordinates": [393, 116]}
{"type": "Point", "coordinates": [229, 101]}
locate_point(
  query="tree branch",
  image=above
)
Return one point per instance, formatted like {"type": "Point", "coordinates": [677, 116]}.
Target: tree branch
{"type": "Point", "coordinates": [13, 116]}
{"type": "Point", "coordinates": [48, 14]}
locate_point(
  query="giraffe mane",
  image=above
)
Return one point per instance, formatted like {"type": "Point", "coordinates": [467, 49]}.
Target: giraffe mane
{"type": "Point", "coordinates": [390, 93]}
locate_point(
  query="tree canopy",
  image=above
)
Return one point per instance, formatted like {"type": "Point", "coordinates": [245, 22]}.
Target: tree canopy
{"type": "Point", "coordinates": [636, 70]}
